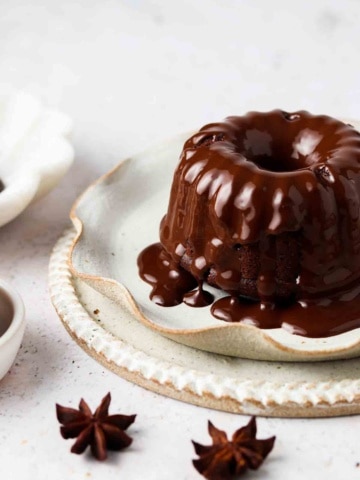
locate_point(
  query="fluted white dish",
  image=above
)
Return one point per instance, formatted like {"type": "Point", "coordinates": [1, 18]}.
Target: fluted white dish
{"type": "Point", "coordinates": [35, 151]}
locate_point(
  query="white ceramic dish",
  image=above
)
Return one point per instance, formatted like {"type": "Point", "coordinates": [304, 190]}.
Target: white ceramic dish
{"type": "Point", "coordinates": [12, 326]}
{"type": "Point", "coordinates": [118, 216]}
{"type": "Point", "coordinates": [34, 151]}
{"type": "Point", "coordinates": [114, 337]}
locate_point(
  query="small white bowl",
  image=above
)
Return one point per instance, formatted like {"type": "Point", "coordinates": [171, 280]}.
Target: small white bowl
{"type": "Point", "coordinates": [12, 326]}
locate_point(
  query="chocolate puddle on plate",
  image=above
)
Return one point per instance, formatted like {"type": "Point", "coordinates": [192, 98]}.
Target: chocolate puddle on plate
{"type": "Point", "coordinates": [316, 318]}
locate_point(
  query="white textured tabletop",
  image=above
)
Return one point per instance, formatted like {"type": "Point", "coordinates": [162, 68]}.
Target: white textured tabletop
{"type": "Point", "coordinates": [131, 73]}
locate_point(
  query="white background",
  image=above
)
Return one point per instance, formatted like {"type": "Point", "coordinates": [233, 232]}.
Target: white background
{"type": "Point", "coordinates": [132, 73]}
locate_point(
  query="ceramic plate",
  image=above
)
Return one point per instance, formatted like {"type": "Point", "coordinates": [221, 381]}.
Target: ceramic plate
{"type": "Point", "coordinates": [118, 216]}
{"type": "Point", "coordinates": [114, 337]}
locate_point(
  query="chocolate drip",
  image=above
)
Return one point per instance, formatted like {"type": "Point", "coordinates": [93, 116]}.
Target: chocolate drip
{"type": "Point", "coordinates": [168, 281]}
{"type": "Point", "coordinates": [198, 297]}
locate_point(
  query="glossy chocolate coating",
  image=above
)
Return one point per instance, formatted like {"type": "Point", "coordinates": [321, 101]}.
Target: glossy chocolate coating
{"type": "Point", "coordinates": [259, 182]}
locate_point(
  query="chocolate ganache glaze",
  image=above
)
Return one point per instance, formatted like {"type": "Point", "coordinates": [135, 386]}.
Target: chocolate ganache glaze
{"type": "Point", "coordinates": [266, 208]}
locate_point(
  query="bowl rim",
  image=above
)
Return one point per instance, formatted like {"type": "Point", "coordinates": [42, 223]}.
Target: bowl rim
{"type": "Point", "coordinates": [18, 314]}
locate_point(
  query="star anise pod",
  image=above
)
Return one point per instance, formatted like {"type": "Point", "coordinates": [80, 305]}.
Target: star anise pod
{"type": "Point", "coordinates": [224, 459]}
{"type": "Point", "coordinates": [99, 430]}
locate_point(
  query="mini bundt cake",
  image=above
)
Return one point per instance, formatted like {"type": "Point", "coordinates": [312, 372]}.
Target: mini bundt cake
{"type": "Point", "coordinates": [266, 206]}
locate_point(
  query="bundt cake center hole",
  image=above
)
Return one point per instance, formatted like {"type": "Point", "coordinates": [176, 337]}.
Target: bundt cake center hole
{"type": "Point", "coordinates": [281, 151]}
{"type": "Point", "coordinates": [273, 164]}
